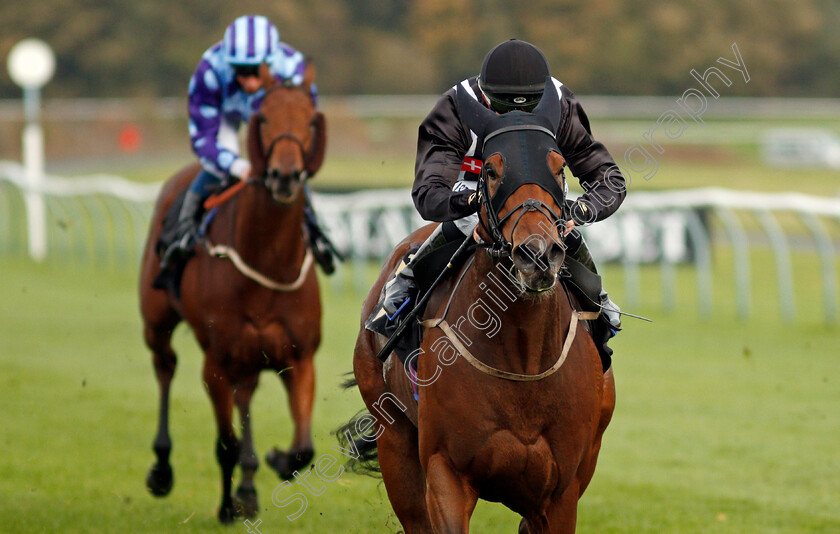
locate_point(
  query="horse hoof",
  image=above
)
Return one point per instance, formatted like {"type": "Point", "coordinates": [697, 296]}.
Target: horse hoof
{"type": "Point", "coordinates": [286, 463]}
{"type": "Point", "coordinates": [245, 502]}
{"type": "Point", "coordinates": [227, 514]}
{"type": "Point", "coordinates": [160, 480]}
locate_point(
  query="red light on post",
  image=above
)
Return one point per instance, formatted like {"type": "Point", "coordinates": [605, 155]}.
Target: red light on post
{"type": "Point", "coordinates": [129, 138]}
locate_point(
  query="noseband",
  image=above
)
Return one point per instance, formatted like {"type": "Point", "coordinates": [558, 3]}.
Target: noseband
{"type": "Point", "coordinates": [501, 247]}
{"type": "Point", "coordinates": [302, 173]}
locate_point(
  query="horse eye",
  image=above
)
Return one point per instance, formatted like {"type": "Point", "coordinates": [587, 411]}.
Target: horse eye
{"type": "Point", "coordinates": [490, 172]}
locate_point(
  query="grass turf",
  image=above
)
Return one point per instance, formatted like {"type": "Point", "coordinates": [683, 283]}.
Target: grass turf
{"type": "Point", "coordinates": [721, 425]}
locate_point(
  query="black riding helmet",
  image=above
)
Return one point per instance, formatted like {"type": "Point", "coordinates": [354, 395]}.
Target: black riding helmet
{"type": "Point", "coordinates": [513, 76]}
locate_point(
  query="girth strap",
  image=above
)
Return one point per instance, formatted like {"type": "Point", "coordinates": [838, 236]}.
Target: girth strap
{"type": "Point", "coordinates": [498, 373]}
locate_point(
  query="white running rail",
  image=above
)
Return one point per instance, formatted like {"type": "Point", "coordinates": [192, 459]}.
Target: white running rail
{"type": "Point", "coordinates": [103, 220]}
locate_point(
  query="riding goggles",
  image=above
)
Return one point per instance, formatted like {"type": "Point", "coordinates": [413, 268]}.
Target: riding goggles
{"type": "Point", "coordinates": [246, 71]}
{"type": "Point", "coordinates": [504, 102]}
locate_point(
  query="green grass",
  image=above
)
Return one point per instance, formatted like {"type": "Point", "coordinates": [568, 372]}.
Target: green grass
{"type": "Point", "coordinates": [720, 425]}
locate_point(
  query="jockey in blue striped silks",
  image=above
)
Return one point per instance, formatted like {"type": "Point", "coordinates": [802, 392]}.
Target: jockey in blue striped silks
{"type": "Point", "coordinates": [224, 92]}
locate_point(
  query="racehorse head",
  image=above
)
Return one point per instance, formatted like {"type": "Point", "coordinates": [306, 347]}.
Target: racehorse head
{"type": "Point", "coordinates": [287, 137]}
{"type": "Point", "coordinates": [522, 186]}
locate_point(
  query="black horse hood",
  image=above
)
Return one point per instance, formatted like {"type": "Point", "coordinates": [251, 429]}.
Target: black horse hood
{"type": "Point", "coordinates": [523, 139]}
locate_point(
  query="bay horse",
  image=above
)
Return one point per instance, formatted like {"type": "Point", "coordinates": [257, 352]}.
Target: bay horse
{"type": "Point", "coordinates": [261, 311]}
{"type": "Point", "coordinates": [512, 399]}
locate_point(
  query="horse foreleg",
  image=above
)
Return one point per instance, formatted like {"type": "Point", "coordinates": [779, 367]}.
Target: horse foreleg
{"type": "Point", "coordinates": [227, 446]}
{"type": "Point", "coordinates": [246, 493]}
{"type": "Point", "coordinates": [300, 385]}
{"type": "Point", "coordinates": [587, 467]}
{"type": "Point", "coordinates": [402, 473]}
{"type": "Point", "coordinates": [561, 515]}
{"type": "Point", "coordinates": [450, 499]}
{"type": "Point", "coordinates": [160, 478]}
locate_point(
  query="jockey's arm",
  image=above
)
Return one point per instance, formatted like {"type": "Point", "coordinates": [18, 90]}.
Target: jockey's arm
{"type": "Point", "coordinates": [206, 122]}
{"type": "Point", "coordinates": [441, 145]}
{"type": "Point", "coordinates": [589, 160]}
{"type": "Point", "coordinates": [604, 191]}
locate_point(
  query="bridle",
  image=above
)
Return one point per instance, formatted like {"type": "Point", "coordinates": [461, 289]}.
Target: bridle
{"type": "Point", "coordinates": [501, 247]}
{"type": "Point", "coordinates": [302, 174]}
{"type": "Point", "coordinates": [530, 128]}
{"type": "Point", "coordinates": [306, 156]}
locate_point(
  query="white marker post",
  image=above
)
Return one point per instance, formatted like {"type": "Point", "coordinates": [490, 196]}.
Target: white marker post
{"type": "Point", "coordinates": [31, 64]}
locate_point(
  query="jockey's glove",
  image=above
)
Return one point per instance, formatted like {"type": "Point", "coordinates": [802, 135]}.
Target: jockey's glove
{"type": "Point", "coordinates": [580, 211]}
{"type": "Point", "coordinates": [474, 202]}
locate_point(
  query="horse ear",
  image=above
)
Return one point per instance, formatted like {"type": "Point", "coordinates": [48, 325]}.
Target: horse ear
{"type": "Point", "coordinates": [255, 147]}
{"type": "Point", "coordinates": [549, 106]}
{"type": "Point", "coordinates": [474, 115]}
{"type": "Point", "coordinates": [268, 80]}
{"type": "Point", "coordinates": [315, 156]}
{"type": "Point", "coordinates": [308, 76]}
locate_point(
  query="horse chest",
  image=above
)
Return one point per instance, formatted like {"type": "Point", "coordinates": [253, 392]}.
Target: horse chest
{"type": "Point", "coordinates": [514, 439]}
{"type": "Point", "coordinates": [511, 467]}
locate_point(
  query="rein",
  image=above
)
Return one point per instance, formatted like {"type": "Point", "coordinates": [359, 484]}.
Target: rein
{"type": "Point", "coordinates": [306, 156]}
{"type": "Point", "coordinates": [218, 199]}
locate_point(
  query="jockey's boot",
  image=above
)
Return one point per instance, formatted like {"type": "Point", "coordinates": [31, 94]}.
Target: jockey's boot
{"type": "Point", "coordinates": [322, 248]}
{"type": "Point", "coordinates": [187, 231]}
{"type": "Point", "coordinates": [610, 320]}
{"type": "Point", "coordinates": [402, 287]}
{"type": "Point", "coordinates": [609, 309]}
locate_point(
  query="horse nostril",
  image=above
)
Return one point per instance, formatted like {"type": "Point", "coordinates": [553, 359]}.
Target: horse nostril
{"type": "Point", "coordinates": [528, 258]}
{"type": "Point", "coordinates": [556, 255]}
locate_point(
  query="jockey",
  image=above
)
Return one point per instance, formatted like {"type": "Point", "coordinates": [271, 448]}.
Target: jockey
{"type": "Point", "coordinates": [512, 77]}
{"type": "Point", "coordinates": [224, 91]}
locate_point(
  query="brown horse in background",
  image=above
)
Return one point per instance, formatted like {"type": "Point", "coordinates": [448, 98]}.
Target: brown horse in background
{"type": "Point", "coordinates": [265, 315]}
{"type": "Point", "coordinates": [513, 400]}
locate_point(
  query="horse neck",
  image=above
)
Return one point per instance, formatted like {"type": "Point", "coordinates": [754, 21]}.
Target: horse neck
{"type": "Point", "coordinates": [531, 329]}
{"type": "Point", "coordinates": [267, 234]}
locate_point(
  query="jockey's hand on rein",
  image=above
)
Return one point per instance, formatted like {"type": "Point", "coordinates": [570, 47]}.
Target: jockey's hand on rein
{"type": "Point", "coordinates": [474, 201]}
{"type": "Point", "coordinates": [579, 212]}
{"type": "Point", "coordinates": [570, 225]}
{"type": "Point", "coordinates": [246, 174]}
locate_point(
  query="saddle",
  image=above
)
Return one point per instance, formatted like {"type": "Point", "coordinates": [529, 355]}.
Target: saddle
{"type": "Point", "coordinates": [170, 279]}
{"type": "Point", "coordinates": [425, 273]}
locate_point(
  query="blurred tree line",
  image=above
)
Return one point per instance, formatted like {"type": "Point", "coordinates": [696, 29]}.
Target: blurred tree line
{"type": "Point", "coordinates": [150, 47]}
